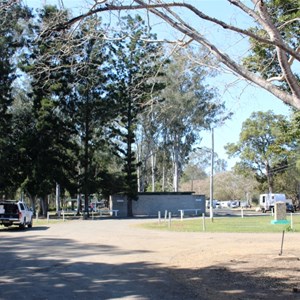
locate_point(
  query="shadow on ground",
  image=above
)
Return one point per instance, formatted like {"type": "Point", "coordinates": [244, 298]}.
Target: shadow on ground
{"type": "Point", "coordinates": [53, 268]}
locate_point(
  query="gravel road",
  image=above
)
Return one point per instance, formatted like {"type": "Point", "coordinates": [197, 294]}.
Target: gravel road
{"type": "Point", "coordinates": [115, 259]}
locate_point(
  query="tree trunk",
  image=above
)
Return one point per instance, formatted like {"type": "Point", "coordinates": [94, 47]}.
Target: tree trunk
{"type": "Point", "coordinates": [139, 181]}
{"type": "Point", "coordinates": [175, 169]}
{"type": "Point", "coordinates": [269, 178]}
{"type": "Point", "coordinates": [153, 171]}
{"type": "Point", "coordinates": [57, 198]}
{"type": "Point", "coordinates": [129, 208]}
{"type": "Point", "coordinates": [43, 207]}
{"type": "Point", "coordinates": [163, 176]}
{"type": "Point", "coordinates": [78, 204]}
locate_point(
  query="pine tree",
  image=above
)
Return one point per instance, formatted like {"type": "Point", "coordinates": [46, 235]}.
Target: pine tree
{"type": "Point", "coordinates": [11, 40]}
{"type": "Point", "coordinates": [135, 64]}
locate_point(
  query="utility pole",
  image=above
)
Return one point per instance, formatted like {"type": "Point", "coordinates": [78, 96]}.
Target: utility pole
{"type": "Point", "coordinates": [211, 213]}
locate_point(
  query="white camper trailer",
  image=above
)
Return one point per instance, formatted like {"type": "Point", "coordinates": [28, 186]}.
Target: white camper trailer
{"type": "Point", "coordinates": [267, 201]}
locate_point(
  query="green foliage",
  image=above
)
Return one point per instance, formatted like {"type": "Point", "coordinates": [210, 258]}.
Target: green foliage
{"type": "Point", "coordinates": [284, 14]}
{"type": "Point", "coordinates": [184, 108]}
{"type": "Point", "coordinates": [135, 63]}
{"type": "Point", "coordinates": [82, 99]}
{"type": "Point", "coordinates": [13, 25]}
{"type": "Point", "coordinates": [265, 146]}
{"type": "Point", "coordinates": [52, 151]}
{"type": "Point", "coordinates": [192, 172]}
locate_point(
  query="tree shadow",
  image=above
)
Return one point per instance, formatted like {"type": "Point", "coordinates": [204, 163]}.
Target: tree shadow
{"type": "Point", "coordinates": [221, 282]}
{"type": "Point", "coordinates": [12, 229]}
{"type": "Point", "coordinates": [53, 268]}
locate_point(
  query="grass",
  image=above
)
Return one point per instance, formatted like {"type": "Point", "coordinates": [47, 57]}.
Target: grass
{"type": "Point", "coordinates": [45, 222]}
{"type": "Point", "coordinates": [249, 224]}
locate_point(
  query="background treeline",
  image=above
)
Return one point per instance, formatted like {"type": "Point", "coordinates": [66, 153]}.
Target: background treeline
{"type": "Point", "coordinates": [95, 111]}
{"type": "Point", "coordinates": [98, 111]}
{"type": "Point", "coordinates": [268, 161]}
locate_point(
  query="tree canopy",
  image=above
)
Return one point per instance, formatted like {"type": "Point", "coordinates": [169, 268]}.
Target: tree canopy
{"type": "Point", "coordinates": [264, 146]}
{"type": "Point", "coordinates": [274, 37]}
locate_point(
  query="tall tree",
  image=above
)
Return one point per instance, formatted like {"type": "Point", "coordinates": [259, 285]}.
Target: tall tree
{"type": "Point", "coordinates": [289, 180]}
{"type": "Point", "coordinates": [262, 146]}
{"type": "Point", "coordinates": [53, 144]}
{"type": "Point", "coordinates": [270, 61]}
{"type": "Point", "coordinates": [93, 110]}
{"type": "Point", "coordinates": [188, 106]}
{"type": "Point", "coordinates": [12, 40]}
{"type": "Point", "coordinates": [135, 64]}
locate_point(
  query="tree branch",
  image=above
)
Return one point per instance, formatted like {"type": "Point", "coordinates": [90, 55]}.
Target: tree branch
{"type": "Point", "coordinates": [143, 5]}
{"type": "Point", "coordinates": [282, 57]}
{"type": "Point", "coordinates": [262, 17]}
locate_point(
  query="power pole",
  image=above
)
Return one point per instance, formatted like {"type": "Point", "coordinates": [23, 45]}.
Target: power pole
{"type": "Point", "coordinates": [211, 213]}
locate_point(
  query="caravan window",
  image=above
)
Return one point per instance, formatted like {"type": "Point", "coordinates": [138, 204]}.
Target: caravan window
{"type": "Point", "coordinates": [263, 199]}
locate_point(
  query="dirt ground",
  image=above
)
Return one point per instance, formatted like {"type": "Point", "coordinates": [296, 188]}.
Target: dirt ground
{"type": "Point", "coordinates": [249, 267]}
{"type": "Point", "coordinates": [116, 259]}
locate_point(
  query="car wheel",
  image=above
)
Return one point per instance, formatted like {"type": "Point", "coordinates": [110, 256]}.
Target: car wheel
{"type": "Point", "coordinates": [22, 226]}
{"type": "Point", "coordinates": [30, 224]}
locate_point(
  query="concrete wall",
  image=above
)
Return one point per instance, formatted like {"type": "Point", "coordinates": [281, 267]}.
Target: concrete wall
{"type": "Point", "coordinates": [149, 204]}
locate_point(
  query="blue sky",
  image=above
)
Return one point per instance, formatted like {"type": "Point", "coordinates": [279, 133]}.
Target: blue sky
{"type": "Point", "coordinates": [240, 98]}
{"type": "Point", "coordinates": [242, 105]}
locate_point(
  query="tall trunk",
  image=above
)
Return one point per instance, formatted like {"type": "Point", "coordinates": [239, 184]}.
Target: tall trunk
{"type": "Point", "coordinates": [129, 207]}
{"type": "Point", "coordinates": [139, 181]}
{"type": "Point", "coordinates": [129, 154]}
{"type": "Point", "coordinates": [78, 204]}
{"type": "Point", "coordinates": [153, 170]}
{"type": "Point", "coordinates": [211, 184]}
{"type": "Point", "coordinates": [176, 169]}
{"type": "Point", "coordinates": [269, 178]}
{"type": "Point", "coordinates": [86, 158]}
{"type": "Point", "coordinates": [57, 197]}
{"type": "Point", "coordinates": [43, 206]}
{"type": "Point", "coordinates": [163, 175]}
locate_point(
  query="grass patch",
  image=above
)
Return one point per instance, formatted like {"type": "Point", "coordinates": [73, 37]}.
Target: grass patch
{"type": "Point", "coordinates": [46, 222]}
{"type": "Point", "coordinates": [227, 224]}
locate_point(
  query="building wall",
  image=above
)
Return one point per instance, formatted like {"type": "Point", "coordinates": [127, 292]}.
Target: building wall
{"type": "Point", "coordinates": [149, 204]}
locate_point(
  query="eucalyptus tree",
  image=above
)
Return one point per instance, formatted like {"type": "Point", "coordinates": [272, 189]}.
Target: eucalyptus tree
{"type": "Point", "coordinates": [294, 133]}
{"type": "Point", "coordinates": [288, 172]}
{"type": "Point", "coordinates": [233, 186]}
{"type": "Point", "coordinates": [134, 64]}
{"type": "Point", "coordinates": [263, 147]}
{"type": "Point", "coordinates": [147, 148]}
{"type": "Point", "coordinates": [189, 105]}
{"type": "Point", "coordinates": [270, 61]}
{"type": "Point", "coordinates": [199, 162]}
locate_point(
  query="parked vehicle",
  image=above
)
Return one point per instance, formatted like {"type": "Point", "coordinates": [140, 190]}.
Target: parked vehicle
{"type": "Point", "coordinates": [218, 205]}
{"type": "Point", "coordinates": [245, 204]}
{"type": "Point", "coordinates": [225, 204]}
{"type": "Point", "coordinates": [267, 201]}
{"type": "Point", "coordinates": [15, 213]}
{"type": "Point", "coordinates": [234, 204]}
{"type": "Point", "coordinates": [290, 208]}
{"type": "Point", "coordinates": [214, 203]}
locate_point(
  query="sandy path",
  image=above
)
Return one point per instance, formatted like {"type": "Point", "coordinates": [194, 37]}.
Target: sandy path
{"type": "Point", "coordinates": [114, 259]}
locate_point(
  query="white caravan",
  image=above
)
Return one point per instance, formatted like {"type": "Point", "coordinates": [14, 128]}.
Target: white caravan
{"type": "Point", "coordinates": [267, 201]}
